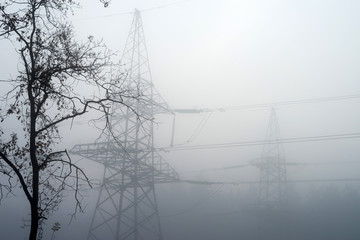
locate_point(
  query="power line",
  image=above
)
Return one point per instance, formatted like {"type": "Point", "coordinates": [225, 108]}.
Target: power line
{"type": "Point", "coordinates": [288, 164]}
{"type": "Point", "coordinates": [164, 6]}
{"type": "Point", "coordinates": [221, 168]}
{"type": "Point", "coordinates": [103, 16]}
{"type": "Point", "coordinates": [269, 105]}
{"type": "Point", "coordinates": [200, 127]}
{"type": "Point", "coordinates": [195, 182]}
{"type": "Point", "coordinates": [249, 106]}
{"type": "Point", "coordinates": [131, 12]}
{"type": "Point", "coordinates": [292, 102]}
{"type": "Point", "coordinates": [262, 142]}
{"type": "Point", "coordinates": [325, 180]}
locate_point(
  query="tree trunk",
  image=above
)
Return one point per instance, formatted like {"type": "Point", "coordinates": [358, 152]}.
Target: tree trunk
{"type": "Point", "coordinates": [34, 201]}
{"type": "Point", "coordinates": [34, 221]}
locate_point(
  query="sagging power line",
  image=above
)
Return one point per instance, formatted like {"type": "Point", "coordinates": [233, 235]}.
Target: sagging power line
{"type": "Point", "coordinates": [262, 142]}
{"type": "Point", "coordinates": [267, 105]}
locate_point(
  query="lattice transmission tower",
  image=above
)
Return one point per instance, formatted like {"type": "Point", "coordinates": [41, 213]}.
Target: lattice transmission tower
{"type": "Point", "coordinates": [272, 166]}
{"type": "Point", "coordinates": [127, 207]}
{"type": "Point", "coordinates": [272, 196]}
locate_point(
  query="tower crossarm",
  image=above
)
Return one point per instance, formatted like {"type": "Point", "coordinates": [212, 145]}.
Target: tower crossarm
{"type": "Point", "coordinates": [127, 205]}
{"type": "Point", "coordinates": [111, 155]}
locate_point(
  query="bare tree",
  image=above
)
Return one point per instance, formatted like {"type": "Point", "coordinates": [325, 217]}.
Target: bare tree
{"type": "Point", "coordinates": [44, 95]}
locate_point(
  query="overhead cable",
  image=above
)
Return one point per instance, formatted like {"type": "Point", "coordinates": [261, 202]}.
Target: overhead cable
{"type": "Point", "coordinates": [131, 12]}
{"type": "Point", "coordinates": [196, 182]}
{"type": "Point", "coordinates": [268, 105]}
{"type": "Point", "coordinates": [262, 142]}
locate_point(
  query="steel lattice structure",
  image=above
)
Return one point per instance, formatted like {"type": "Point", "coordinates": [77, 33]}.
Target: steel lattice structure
{"type": "Point", "coordinates": [272, 196]}
{"type": "Point", "coordinates": [272, 165]}
{"type": "Point", "coordinates": [126, 207]}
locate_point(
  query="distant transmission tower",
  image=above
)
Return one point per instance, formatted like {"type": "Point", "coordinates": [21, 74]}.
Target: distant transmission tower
{"type": "Point", "coordinates": [126, 207]}
{"type": "Point", "coordinates": [272, 198]}
{"type": "Point", "coordinates": [272, 165]}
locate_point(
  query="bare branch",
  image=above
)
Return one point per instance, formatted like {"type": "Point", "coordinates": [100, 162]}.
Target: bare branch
{"type": "Point", "coordinates": [45, 94]}
{"type": "Point", "coordinates": [18, 174]}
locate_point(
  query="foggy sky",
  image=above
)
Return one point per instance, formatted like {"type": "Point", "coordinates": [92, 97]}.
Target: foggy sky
{"type": "Point", "coordinates": [218, 54]}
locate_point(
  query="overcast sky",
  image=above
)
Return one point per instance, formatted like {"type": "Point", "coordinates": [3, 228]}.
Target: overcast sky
{"type": "Point", "coordinates": [239, 52]}
{"type": "Point", "coordinates": [224, 53]}
{"type": "Point", "coordinates": [215, 54]}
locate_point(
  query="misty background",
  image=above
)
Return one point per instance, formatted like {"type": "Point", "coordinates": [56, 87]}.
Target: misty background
{"type": "Point", "coordinates": [228, 56]}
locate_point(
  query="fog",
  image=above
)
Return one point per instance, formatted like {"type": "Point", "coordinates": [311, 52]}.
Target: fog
{"type": "Point", "coordinates": [232, 61]}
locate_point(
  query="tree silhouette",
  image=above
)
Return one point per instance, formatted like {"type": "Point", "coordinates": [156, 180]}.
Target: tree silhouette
{"type": "Point", "coordinates": [44, 95]}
